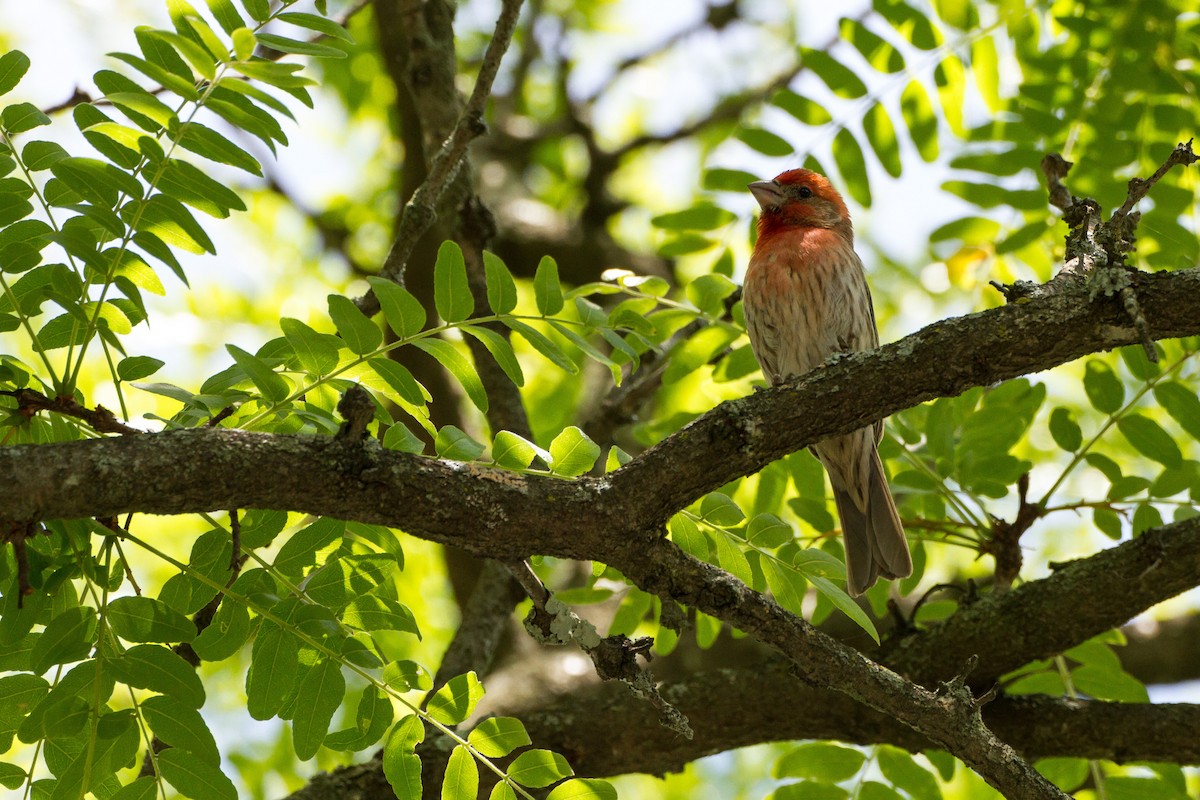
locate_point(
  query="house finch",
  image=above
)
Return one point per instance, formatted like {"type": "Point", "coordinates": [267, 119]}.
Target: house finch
{"type": "Point", "coordinates": [806, 298]}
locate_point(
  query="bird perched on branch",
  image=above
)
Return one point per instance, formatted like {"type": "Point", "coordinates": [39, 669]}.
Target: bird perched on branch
{"type": "Point", "coordinates": [806, 299]}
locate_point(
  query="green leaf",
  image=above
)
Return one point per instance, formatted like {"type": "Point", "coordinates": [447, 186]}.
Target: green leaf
{"type": "Point", "coordinates": [457, 445]}
{"type": "Point", "coordinates": [375, 613]}
{"type": "Point", "coordinates": [1182, 404]}
{"type": "Point", "coordinates": [840, 79]}
{"type": "Point", "coordinates": [458, 365]}
{"type": "Point", "coordinates": [181, 726]}
{"type": "Point", "coordinates": [1128, 787]}
{"type": "Point", "coordinates": [400, 379]}
{"type": "Point", "coordinates": [802, 108]}
{"type": "Point", "coordinates": [809, 790]}
{"type": "Point", "coordinates": [583, 789]}
{"type": "Point", "coordinates": [500, 349]}
{"type": "Point", "coordinates": [685, 244]}
{"type": "Point", "coordinates": [768, 530]}
{"type": "Point", "coordinates": [372, 718]}
{"type": "Point", "coordinates": [204, 141]}
{"type": "Point", "coordinates": [905, 773]}
{"type": "Point", "coordinates": [852, 166]}
{"type": "Point", "coordinates": [765, 142]}
{"type": "Point", "coordinates": [225, 14]}
{"type": "Point", "coordinates": [277, 74]}
{"type": "Point", "coordinates": [512, 451]}
{"type": "Point", "coordinates": [546, 288]}
{"type": "Point", "coordinates": [543, 345]}
{"type": "Point", "coordinates": [686, 535]}
{"type": "Point", "coordinates": [153, 667]}
{"type": "Point", "coordinates": [822, 761]}
{"type": "Point", "coordinates": [158, 50]}
{"type": "Point", "coordinates": [144, 788]}
{"type": "Point", "coordinates": [882, 136]}
{"type": "Point", "coordinates": [1104, 389]}
{"type": "Point", "coordinates": [270, 383]}
{"type": "Point", "coordinates": [97, 181]}
{"type": "Point", "coordinates": [21, 117]}
{"type": "Point", "coordinates": [13, 66]}
{"type": "Point", "coordinates": [728, 180]}
{"type": "Point", "coordinates": [19, 694]}
{"type": "Point", "coordinates": [68, 637]}
{"type": "Point", "coordinates": [404, 313]}
{"type": "Point", "coordinates": [244, 44]}
{"type": "Point", "coordinates": [225, 635]}
{"type": "Point", "coordinates": [1149, 439]}
{"type": "Point", "coordinates": [39, 155]}
{"type": "Point", "coordinates": [496, 737]}
{"type": "Point", "coordinates": [451, 290]}
{"type": "Point", "coordinates": [196, 55]}
{"type": "Point", "coordinates": [502, 791]}
{"type": "Point", "coordinates": [587, 347]}
{"type": "Point", "coordinates": [538, 768]}
{"type": "Point", "coordinates": [285, 44]}
{"type": "Point", "coordinates": [1065, 430]}
{"type": "Point", "coordinates": [455, 701]}
{"type": "Point", "coordinates": [708, 293]}
{"type": "Point", "coordinates": [461, 781]}
{"type": "Point", "coordinates": [347, 576]}
{"type": "Point", "coordinates": [572, 453]}
{"type": "Point", "coordinates": [700, 217]}
{"type": "Point", "coordinates": [731, 558]}
{"type": "Point", "coordinates": [144, 619]}
{"type": "Point", "coordinates": [187, 184]}
{"type": "Point", "coordinates": [877, 51]}
{"type": "Point", "coordinates": [320, 695]}
{"type": "Point", "coordinates": [318, 352]}
{"type": "Point", "coordinates": [12, 776]}
{"type": "Point", "coordinates": [786, 584]}
{"type": "Point", "coordinates": [301, 549]}
{"type": "Point", "coordinates": [192, 777]}
{"type": "Point", "coordinates": [134, 368]}
{"type": "Point", "coordinates": [843, 602]}
{"type": "Point", "coordinates": [274, 667]}
{"type": "Point", "coordinates": [361, 335]}
{"type": "Point", "coordinates": [315, 23]}
{"type": "Point", "coordinates": [916, 109]}
{"type": "Point", "coordinates": [501, 288]}
{"type": "Point", "coordinates": [720, 509]}
{"type": "Point", "coordinates": [166, 219]}
{"type": "Point", "coordinates": [401, 766]}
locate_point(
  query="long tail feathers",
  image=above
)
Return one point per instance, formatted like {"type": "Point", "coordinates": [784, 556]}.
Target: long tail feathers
{"type": "Point", "coordinates": [874, 537]}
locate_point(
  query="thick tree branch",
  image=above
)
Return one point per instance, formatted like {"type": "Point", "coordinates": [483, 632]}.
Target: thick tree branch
{"type": "Point", "coordinates": [1102, 592]}
{"type": "Point", "coordinates": [502, 514]}
{"type": "Point", "coordinates": [739, 707]}
{"type": "Point", "coordinates": [616, 519]}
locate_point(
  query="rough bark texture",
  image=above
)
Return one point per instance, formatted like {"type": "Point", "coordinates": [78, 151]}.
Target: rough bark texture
{"type": "Point", "coordinates": [617, 519]}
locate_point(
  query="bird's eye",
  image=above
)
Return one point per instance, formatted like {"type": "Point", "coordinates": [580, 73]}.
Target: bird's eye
{"type": "Point", "coordinates": [805, 192]}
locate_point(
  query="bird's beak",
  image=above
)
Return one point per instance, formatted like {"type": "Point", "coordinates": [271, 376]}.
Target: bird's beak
{"type": "Point", "coordinates": [767, 193]}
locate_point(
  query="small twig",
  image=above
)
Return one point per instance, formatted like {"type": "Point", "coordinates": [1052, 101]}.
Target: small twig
{"type": "Point", "coordinates": [421, 210]}
{"type": "Point", "coordinates": [30, 402]}
{"type": "Point", "coordinates": [16, 534]}
{"type": "Point", "coordinates": [1055, 168]}
{"type": "Point", "coordinates": [614, 657]}
{"type": "Point", "coordinates": [1139, 188]}
{"type": "Point", "coordinates": [530, 582]}
{"type": "Point", "coordinates": [1005, 542]}
{"type": "Point", "coordinates": [357, 409]}
{"type": "Point", "coordinates": [222, 415]}
{"type": "Point", "coordinates": [1097, 248]}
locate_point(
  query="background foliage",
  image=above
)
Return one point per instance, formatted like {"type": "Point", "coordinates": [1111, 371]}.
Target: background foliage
{"type": "Point", "coordinates": [615, 167]}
